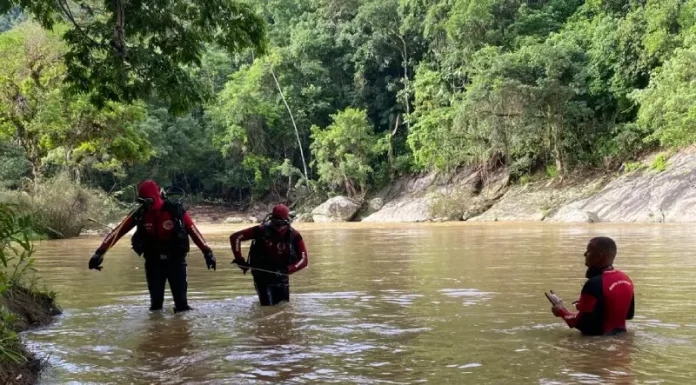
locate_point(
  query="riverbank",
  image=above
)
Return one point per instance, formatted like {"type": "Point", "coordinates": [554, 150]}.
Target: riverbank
{"type": "Point", "coordinates": [29, 309]}
{"type": "Point", "coordinates": [659, 188]}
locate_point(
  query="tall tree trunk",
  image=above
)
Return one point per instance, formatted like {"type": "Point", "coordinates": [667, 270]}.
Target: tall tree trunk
{"type": "Point", "coordinates": [119, 36]}
{"type": "Point", "coordinates": [391, 143]}
{"type": "Point", "coordinates": [556, 142]}
{"type": "Point", "coordinates": [558, 151]}
{"type": "Point", "coordinates": [297, 132]}
{"type": "Point", "coordinates": [406, 81]}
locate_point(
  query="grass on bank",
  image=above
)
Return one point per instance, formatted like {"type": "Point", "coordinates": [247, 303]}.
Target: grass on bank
{"type": "Point", "coordinates": [16, 276]}
{"type": "Point", "coordinates": [59, 208]}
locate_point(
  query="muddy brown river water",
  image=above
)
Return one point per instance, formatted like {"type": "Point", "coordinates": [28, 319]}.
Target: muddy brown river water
{"type": "Point", "coordinates": [392, 304]}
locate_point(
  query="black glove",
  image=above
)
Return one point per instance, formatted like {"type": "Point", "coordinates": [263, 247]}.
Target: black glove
{"type": "Point", "coordinates": [282, 271]}
{"type": "Point", "coordinates": [96, 261]}
{"type": "Point", "coordinates": [242, 264]}
{"type": "Point", "coordinates": [210, 260]}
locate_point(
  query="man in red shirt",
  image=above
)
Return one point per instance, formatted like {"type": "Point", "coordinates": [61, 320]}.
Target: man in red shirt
{"type": "Point", "coordinates": [277, 249]}
{"type": "Point", "coordinates": [607, 298]}
{"type": "Point", "coordinates": [162, 237]}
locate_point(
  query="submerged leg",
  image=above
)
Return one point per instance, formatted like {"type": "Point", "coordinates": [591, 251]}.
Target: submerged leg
{"type": "Point", "coordinates": [178, 283]}
{"type": "Point", "coordinates": [263, 291]}
{"type": "Point", "coordinates": [156, 279]}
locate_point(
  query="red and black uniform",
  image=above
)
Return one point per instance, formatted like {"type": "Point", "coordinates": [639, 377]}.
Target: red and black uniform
{"type": "Point", "coordinates": [606, 302]}
{"type": "Point", "coordinates": [161, 237]}
{"type": "Point", "coordinates": [280, 250]}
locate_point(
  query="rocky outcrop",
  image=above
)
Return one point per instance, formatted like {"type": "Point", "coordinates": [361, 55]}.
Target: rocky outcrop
{"type": "Point", "coordinates": [234, 220]}
{"type": "Point", "coordinates": [404, 209]}
{"type": "Point", "coordinates": [336, 209]}
{"type": "Point", "coordinates": [241, 219]}
{"type": "Point", "coordinates": [651, 194]}
{"type": "Point", "coordinates": [432, 197]}
{"type": "Point", "coordinates": [645, 196]}
{"type": "Point", "coordinates": [540, 200]}
{"type": "Point", "coordinates": [407, 200]}
{"type": "Point", "coordinates": [304, 218]}
{"type": "Point", "coordinates": [375, 204]}
{"type": "Point", "coordinates": [571, 214]}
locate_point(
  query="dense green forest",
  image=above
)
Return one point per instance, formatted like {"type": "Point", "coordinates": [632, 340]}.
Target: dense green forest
{"type": "Point", "coordinates": [339, 96]}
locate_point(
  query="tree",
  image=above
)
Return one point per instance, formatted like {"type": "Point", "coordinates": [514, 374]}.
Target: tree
{"type": "Point", "coordinates": [48, 124]}
{"type": "Point", "coordinates": [124, 51]}
{"type": "Point", "coordinates": [429, 139]}
{"type": "Point", "coordinates": [668, 104]}
{"type": "Point", "coordinates": [251, 126]}
{"type": "Point", "coordinates": [345, 150]}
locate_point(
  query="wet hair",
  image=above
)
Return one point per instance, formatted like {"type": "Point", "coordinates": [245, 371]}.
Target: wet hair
{"type": "Point", "coordinates": [607, 246]}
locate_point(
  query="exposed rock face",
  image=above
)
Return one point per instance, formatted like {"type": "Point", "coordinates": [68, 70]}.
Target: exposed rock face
{"type": "Point", "coordinates": [406, 200]}
{"type": "Point", "coordinates": [234, 220]}
{"type": "Point", "coordinates": [574, 215]}
{"type": "Point", "coordinates": [431, 197]}
{"type": "Point", "coordinates": [336, 209]}
{"type": "Point", "coordinates": [645, 196]}
{"type": "Point", "coordinates": [304, 218]}
{"type": "Point", "coordinates": [472, 195]}
{"type": "Point", "coordinates": [539, 201]}
{"type": "Point", "coordinates": [404, 209]}
{"type": "Point", "coordinates": [376, 204]}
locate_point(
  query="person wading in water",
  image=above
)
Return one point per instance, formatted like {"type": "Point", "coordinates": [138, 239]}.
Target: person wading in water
{"type": "Point", "coordinates": [162, 237]}
{"type": "Point", "coordinates": [607, 298]}
{"type": "Point", "coordinates": [277, 249]}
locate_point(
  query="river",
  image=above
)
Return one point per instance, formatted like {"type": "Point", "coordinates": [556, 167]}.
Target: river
{"type": "Point", "coordinates": [392, 304]}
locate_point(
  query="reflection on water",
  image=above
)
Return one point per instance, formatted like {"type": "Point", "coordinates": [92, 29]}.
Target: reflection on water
{"type": "Point", "coordinates": [402, 304]}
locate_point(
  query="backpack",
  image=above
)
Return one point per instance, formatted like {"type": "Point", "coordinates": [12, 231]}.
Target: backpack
{"type": "Point", "coordinates": [179, 245]}
{"type": "Point", "coordinates": [256, 256]}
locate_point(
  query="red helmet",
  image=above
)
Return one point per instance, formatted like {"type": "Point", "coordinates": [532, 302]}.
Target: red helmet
{"type": "Point", "coordinates": [280, 212]}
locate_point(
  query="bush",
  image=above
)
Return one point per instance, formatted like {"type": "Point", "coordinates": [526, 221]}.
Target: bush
{"type": "Point", "coordinates": [16, 263]}
{"type": "Point", "coordinates": [13, 165]}
{"type": "Point", "coordinates": [551, 171]}
{"type": "Point", "coordinates": [21, 304]}
{"type": "Point", "coordinates": [60, 208]}
{"type": "Point", "coordinates": [344, 152]}
{"type": "Point", "coordinates": [660, 162]}
{"type": "Point", "coordinates": [633, 166]}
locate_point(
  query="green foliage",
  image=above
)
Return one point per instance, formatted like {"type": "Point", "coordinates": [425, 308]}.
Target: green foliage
{"type": "Point", "coordinates": [553, 82]}
{"type": "Point", "coordinates": [375, 89]}
{"type": "Point", "coordinates": [122, 51]}
{"type": "Point", "coordinates": [668, 104]}
{"type": "Point", "coordinates": [16, 265]}
{"type": "Point", "coordinates": [660, 162]}
{"type": "Point", "coordinates": [9, 340]}
{"type": "Point", "coordinates": [16, 246]}
{"type": "Point", "coordinates": [60, 208]}
{"type": "Point", "coordinates": [13, 165]}
{"type": "Point", "coordinates": [344, 152]}
{"type": "Point", "coordinates": [551, 171]}
{"type": "Point", "coordinates": [55, 128]}
{"type": "Point", "coordinates": [633, 166]}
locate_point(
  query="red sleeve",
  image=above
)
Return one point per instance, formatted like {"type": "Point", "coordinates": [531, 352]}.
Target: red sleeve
{"type": "Point", "coordinates": [195, 234]}
{"type": "Point", "coordinates": [302, 263]}
{"type": "Point", "coordinates": [126, 225]}
{"type": "Point", "coordinates": [585, 306]}
{"type": "Point", "coordinates": [242, 235]}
